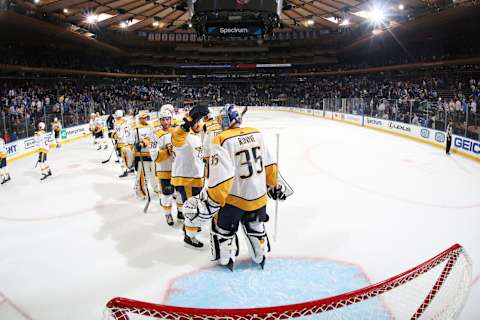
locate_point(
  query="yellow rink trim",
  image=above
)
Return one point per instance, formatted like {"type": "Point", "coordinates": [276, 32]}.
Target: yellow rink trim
{"type": "Point", "coordinates": [52, 146]}
{"type": "Point", "coordinates": [438, 145]}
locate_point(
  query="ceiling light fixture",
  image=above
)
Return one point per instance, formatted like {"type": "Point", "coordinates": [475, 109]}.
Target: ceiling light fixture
{"type": "Point", "coordinates": [91, 19]}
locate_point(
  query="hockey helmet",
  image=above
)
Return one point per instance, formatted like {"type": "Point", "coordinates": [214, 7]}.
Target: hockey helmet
{"type": "Point", "coordinates": [118, 113]}
{"type": "Point", "coordinates": [41, 125]}
{"type": "Point", "coordinates": [165, 114]}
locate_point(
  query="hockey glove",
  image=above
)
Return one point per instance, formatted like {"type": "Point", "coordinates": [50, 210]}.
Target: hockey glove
{"type": "Point", "coordinates": [187, 124]}
{"type": "Point", "coordinates": [198, 112]}
{"type": "Point", "coordinates": [139, 146]}
{"type": "Point", "coordinates": [278, 192]}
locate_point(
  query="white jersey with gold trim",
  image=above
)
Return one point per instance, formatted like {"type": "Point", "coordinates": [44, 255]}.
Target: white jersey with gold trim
{"type": "Point", "coordinates": [240, 169]}
{"type": "Point", "coordinates": [42, 141]}
{"type": "Point", "coordinates": [159, 153]}
{"type": "Point", "coordinates": [143, 135]}
{"type": "Point", "coordinates": [122, 131]}
{"type": "Point", "coordinates": [188, 168]}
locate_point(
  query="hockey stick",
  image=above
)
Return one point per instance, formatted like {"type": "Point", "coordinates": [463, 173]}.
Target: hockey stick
{"type": "Point", "coordinates": [144, 178]}
{"type": "Point", "coordinates": [109, 157]}
{"type": "Point", "coordinates": [275, 228]}
{"type": "Point", "coordinates": [244, 111]}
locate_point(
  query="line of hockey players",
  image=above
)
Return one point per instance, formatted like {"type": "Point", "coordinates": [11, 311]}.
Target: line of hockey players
{"type": "Point", "coordinates": [42, 141]}
{"type": "Point", "coordinates": [213, 170]}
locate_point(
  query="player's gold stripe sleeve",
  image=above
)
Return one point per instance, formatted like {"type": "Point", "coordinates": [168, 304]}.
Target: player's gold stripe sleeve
{"type": "Point", "coordinates": [271, 174]}
{"type": "Point", "coordinates": [162, 155]}
{"type": "Point", "coordinates": [179, 137]}
{"type": "Point", "coordinates": [220, 192]}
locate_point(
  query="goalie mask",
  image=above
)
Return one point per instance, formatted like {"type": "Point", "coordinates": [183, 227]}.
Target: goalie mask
{"type": "Point", "coordinates": [229, 116]}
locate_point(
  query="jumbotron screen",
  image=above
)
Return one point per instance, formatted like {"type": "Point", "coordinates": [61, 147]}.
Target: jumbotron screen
{"type": "Point", "coordinates": [231, 5]}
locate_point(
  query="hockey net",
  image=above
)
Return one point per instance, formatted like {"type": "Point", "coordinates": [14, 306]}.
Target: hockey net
{"type": "Point", "coordinates": [435, 289]}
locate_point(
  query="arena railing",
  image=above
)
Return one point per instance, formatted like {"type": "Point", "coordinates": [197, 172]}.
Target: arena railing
{"type": "Point", "coordinates": [21, 124]}
{"type": "Point", "coordinates": [424, 113]}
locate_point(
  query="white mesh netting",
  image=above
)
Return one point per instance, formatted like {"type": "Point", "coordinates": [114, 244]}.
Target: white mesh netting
{"type": "Point", "coordinates": [436, 289]}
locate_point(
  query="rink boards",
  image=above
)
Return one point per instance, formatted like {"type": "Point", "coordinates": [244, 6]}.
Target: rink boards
{"type": "Point", "coordinates": [25, 147]}
{"type": "Point", "coordinates": [460, 145]}
{"type": "Point", "coordinates": [467, 147]}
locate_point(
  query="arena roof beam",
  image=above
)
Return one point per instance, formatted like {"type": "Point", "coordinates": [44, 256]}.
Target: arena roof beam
{"type": "Point", "coordinates": [317, 14]}
{"type": "Point", "coordinates": [59, 5]}
{"type": "Point", "coordinates": [167, 7]}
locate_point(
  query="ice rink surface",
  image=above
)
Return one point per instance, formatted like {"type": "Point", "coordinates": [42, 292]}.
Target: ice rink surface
{"type": "Point", "coordinates": [374, 200]}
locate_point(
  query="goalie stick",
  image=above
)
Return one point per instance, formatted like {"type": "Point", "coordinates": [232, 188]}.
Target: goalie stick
{"type": "Point", "coordinates": [144, 179]}
{"type": "Point", "coordinates": [288, 189]}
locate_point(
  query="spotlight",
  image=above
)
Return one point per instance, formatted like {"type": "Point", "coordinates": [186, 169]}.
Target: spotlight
{"type": "Point", "coordinates": [309, 22]}
{"type": "Point", "coordinates": [123, 25]}
{"type": "Point", "coordinates": [155, 24]}
{"type": "Point", "coordinates": [36, 1]}
{"type": "Point", "coordinates": [377, 16]}
{"type": "Point", "coordinates": [65, 11]}
{"type": "Point", "coordinates": [189, 24]}
{"type": "Point", "coordinates": [401, 7]}
{"type": "Point", "coordinates": [91, 19]}
{"type": "Point", "coordinates": [345, 22]}
{"type": "Point", "coordinates": [376, 32]}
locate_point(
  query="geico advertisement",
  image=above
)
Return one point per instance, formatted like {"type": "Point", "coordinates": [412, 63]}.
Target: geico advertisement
{"type": "Point", "coordinates": [471, 146]}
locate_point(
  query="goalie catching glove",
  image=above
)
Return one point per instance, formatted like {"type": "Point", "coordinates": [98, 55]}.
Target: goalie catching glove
{"type": "Point", "coordinates": [199, 208]}
{"type": "Point", "coordinates": [279, 192]}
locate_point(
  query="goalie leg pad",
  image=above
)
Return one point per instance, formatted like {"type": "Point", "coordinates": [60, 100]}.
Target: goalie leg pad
{"type": "Point", "coordinates": [257, 239]}
{"type": "Point", "coordinates": [223, 244]}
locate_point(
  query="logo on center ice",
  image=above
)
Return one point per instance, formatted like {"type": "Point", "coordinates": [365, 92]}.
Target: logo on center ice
{"type": "Point", "coordinates": [440, 137]}
{"type": "Point", "coordinates": [425, 133]}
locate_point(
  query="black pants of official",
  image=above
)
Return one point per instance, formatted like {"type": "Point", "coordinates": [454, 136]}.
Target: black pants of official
{"type": "Point", "coordinates": [449, 144]}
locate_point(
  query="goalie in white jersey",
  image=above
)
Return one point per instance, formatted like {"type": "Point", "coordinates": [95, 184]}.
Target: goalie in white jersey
{"type": "Point", "coordinates": [241, 174]}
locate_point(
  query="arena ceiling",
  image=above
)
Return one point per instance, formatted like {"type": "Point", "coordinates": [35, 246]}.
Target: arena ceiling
{"type": "Point", "coordinates": [171, 15]}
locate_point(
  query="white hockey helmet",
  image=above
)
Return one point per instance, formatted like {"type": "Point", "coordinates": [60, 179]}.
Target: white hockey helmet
{"type": "Point", "coordinates": [168, 107]}
{"type": "Point", "coordinates": [165, 114]}
{"type": "Point", "coordinates": [41, 125]}
{"type": "Point", "coordinates": [118, 113]}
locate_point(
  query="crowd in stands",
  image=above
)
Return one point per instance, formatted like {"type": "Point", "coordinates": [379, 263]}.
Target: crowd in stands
{"type": "Point", "coordinates": [413, 97]}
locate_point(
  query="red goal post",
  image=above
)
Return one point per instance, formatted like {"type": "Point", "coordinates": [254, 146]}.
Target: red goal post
{"type": "Point", "coordinates": [435, 289]}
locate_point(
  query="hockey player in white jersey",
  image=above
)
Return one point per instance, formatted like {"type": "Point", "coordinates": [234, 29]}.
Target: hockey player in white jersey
{"type": "Point", "coordinates": [122, 132]}
{"type": "Point", "coordinates": [99, 130]}
{"type": "Point", "coordinates": [56, 128]}
{"type": "Point", "coordinates": [161, 154]}
{"type": "Point", "coordinates": [242, 173]}
{"type": "Point", "coordinates": [142, 143]}
{"type": "Point", "coordinates": [3, 163]}
{"type": "Point", "coordinates": [188, 168]}
{"type": "Point", "coordinates": [43, 144]}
